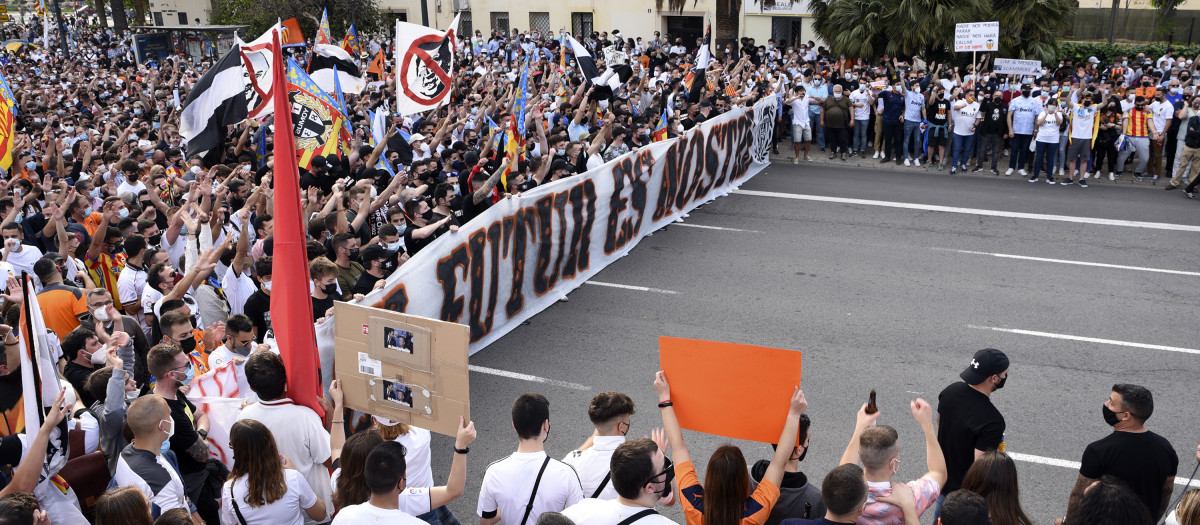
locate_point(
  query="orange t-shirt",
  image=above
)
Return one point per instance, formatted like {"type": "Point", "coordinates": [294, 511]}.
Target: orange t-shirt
{"type": "Point", "coordinates": [758, 505]}
{"type": "Point", "coordinates": [1146, 92]}
{"type": "Point", "coordinates": [91, 222]}
{"type": "Point", "coordinates": [61, 307]}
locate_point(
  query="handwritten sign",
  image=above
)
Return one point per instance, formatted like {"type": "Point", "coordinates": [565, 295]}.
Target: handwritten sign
{"type": "Point", "coordinates": [1012, 66]}
{"type": "Point", "coordinates": [977, 36]}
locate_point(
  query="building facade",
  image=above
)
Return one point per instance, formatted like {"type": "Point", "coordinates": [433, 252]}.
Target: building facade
{"type": "Point", "coordinates": [786, 20]}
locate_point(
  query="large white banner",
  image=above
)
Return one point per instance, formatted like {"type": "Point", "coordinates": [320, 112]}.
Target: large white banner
{"type": "Point", "coordinates": [524, 253]}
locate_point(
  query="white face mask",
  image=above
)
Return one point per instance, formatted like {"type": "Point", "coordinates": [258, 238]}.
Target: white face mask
{"type": "Point", "coordinates": [98, 357]}
{"type": "Point", "coordinates": [266, 285]}
{"type": "Point", "coordinates": [171, 431]}
{"type": "Point", "coordinates": [101, 315]}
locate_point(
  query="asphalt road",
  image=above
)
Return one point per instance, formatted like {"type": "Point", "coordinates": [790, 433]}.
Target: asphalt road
{"type": "Point", "coordinates": [888, 298]}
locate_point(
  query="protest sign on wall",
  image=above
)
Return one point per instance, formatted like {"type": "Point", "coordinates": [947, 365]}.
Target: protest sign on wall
{"type": "Point", "coordinates": [976, 36]}
{"type": "Point", "coordinates": [743, 397]}
{"type": "Point", "coordinates": [526, 252]}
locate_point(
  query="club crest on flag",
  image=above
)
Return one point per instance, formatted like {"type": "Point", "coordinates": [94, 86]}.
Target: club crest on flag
{"type": "Point", "coordinates": [313, 120]}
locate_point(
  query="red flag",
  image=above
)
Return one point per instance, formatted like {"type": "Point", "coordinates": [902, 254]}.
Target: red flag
{"type": "Point", "coordinates": [291, 304]}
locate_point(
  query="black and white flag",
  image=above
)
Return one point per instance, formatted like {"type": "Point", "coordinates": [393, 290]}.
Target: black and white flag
{"type": "Point", "coordinates": [215, 102]}
{"type": "Point", "coordinates": [325, 60]}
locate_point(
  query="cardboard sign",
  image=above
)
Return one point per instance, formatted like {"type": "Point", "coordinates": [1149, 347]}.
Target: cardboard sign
{"type": "Point", "coordinates": [613, 57]}
{"type": "Point", "coordinates": [408, 368]}
{"type": "Point", "coordinates": [976, 36]}
{"type": "Point", "coordinates": [1012, 66]}
{"type": "Point", "coordinates": [727, 389]}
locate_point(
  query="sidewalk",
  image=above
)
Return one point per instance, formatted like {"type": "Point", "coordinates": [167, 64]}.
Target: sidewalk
{"type": "Point", "coordinates": [821, 159]}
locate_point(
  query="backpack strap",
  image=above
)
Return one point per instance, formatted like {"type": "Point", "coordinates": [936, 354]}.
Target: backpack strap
{"type": "Point", "coordinates": [236, 510]}
{"type": "Point", "coordinates": [603, 483]}
{"type": "Point", "coordinates": [637, 516]}
{"type": "Point", "coordinates": [532, 495]}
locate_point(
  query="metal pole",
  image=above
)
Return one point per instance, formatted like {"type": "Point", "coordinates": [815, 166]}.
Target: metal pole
{"type": "Point", "coordinates": [62, 37]}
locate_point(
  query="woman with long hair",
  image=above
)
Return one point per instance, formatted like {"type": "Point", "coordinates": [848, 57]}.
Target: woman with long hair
{"type": "Point", "coordinates": [1188, 510]}
{"type": "Point", "coordinates": [994, 476]}
{"type": "Point", "coordinates": [263, 487]}
{"type": "Point", "coordinates": [349, 481]}
{"type": "Point", "coordinates": [1108, 501]}
{"type": "Point", "coordinates": [725, 497]}
{"type": "Point", "coordinates": [123, 506]}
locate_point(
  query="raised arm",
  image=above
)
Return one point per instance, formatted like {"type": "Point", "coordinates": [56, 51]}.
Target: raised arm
{"type": "Point", "coordinates": [787, 438]}
{"type": "Point", "coordinates": [457, 482]}
{"type": "Point", "coordinates": [864, 420]}
{"type": "Point", "coordinates": [486, 189]}
{"type": "Point", "coordinates": [670, 422]}
{"type": "Point", "coordinates": [935, 460]}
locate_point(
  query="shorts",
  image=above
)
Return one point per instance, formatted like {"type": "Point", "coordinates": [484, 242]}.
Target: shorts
{"type": "Point", "coordinates": [801, 133]}
{"type": "Point", "coordinates": [1079, 149]}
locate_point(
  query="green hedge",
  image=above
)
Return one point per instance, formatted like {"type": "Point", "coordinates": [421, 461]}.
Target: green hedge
{"type": "Point", "coordinates": [1106, 52]}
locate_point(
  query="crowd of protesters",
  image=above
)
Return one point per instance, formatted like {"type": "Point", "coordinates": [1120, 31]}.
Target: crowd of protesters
{"type": "Point", "coordinates": [153, 267]}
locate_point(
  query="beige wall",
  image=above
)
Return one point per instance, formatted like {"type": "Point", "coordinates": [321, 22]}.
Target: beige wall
{"type": "Point", "coordinates": [633, 17]}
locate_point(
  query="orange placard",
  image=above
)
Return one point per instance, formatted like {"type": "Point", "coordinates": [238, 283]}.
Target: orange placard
{"type": "Point", "coordinates": [727, 389]}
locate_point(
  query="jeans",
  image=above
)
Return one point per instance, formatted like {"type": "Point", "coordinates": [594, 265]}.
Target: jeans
{"type": "Point", "coordinates": [439, 516]}
{"type": "Point", "coordinates": [1142, 146]}
{"type": "Point", "coordinates": [860, 135]}
{"type": "Point", "coordinates": [912, 136]}
{"type": "Point", "coordinates": [993, 143]}
{"type": "Point", "coordinates": [937, 510]}
{"type": "Point", "coordinates": [1019, 157]}
{"type": "Point", "coordinates": [961, 149]}
{"type": "Point", "coordinates": [1047, 153]}
{"type": "Point", "coordinates": [893, 133]}
{"type": "Point", "coordinates": [818, 129]}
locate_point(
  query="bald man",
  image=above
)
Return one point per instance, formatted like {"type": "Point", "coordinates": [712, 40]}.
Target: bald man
{"type": "Point", "coordinates": [141, 464]}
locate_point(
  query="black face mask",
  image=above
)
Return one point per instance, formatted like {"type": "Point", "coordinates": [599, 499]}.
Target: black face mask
{"type": "Point", "coordinates": [1110, 417]}
{"type": "Point", "coordinates": [353, 254]}
{"type": "Point", "coordinates": [155, 239]}
{"type": "Point", "coordinates": [330, 289]}
{"type": "Point", "coordinates": [1025, 93]}
{"type": "Point", "coordinates": [188, 344]}
{"type": "Point", "coordinates": [802, 454]}
{"type": "Point", "coordinates": [1001, 383]}
{"type": "Point", "coordinates": [428, 215]}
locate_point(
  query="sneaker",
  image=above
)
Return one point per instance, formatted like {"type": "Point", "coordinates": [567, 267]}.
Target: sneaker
{"type": "Point", "coordinates": [1050, 180]}
{"type": "Point", "coordinates": [963, 168]}
{"type": "Point", "coordinates": [1189, 194]}
{"type": "Point", "coordinates": [1069, 181]}
{"type": "Point", "coordinates": [876, 155]}
{"type": "Point", "coordinates": [832, 155]}
{"type": "Point", "coordinates": [1022, 172]}
{"type": "Point", "coordinates": [1138, 176]}
{"type": "Point", "coordinates": [1033, 178]}
{"type": "Point", "coordinates": [853, 153]}
{"type": "Point", "coordinates": [796, 160]}
{"type": "Point", "coordinates": [1171, 187]}
{"type": "Point", "coordinates": [977, 169]}
{"type": "Point", "coordinates": [1082, 183]}
{"type": "Point", "coordinates": [1111, 176]}
{"type": "Point", "coordinates": [952, 170]}
{"type": "Point", "coordinates": [1008, 172]}
{"type": "Point", "coordinates": [885, 160]}
{"type": "Point", "coordinates": [907, 162]}
{"type": "Point", "coordinates": [807, 158]}
{"type": "Point", "coordinates": [917, 162]}
{"type": "Point", "coordinates": [941, 166]}
{"type": "Point", "coordinates": [995, 172]}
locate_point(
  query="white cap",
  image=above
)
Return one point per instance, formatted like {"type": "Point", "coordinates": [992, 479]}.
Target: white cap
{"type": "Point", "coordinates": [385, 421]}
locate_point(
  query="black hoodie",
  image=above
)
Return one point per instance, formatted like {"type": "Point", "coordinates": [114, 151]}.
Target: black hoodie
{"type": "Point", "coordinates": [794, 492]}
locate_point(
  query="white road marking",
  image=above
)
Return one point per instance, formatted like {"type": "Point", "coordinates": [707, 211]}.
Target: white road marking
{"type": "Point", "coordinates": [690, 225]}
{"type": "Point", "coordinates": [1088, 339]}
{"type": "Point", "coordinates": [527, 377]}
{"type": "Point", "coordinates": [1055, 462]}
{"type": "Point", "coordinates": [976, 211]}
{"type": "Point", "coordinates": [632, 287]}
{"type": "Point", "coordinates": [1078, 263]}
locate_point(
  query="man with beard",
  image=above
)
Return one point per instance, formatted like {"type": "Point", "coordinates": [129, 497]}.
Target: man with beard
{"type": "Point", "coordinates": [969, 423]}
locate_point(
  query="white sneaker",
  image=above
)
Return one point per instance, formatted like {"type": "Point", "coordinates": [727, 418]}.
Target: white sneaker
{"type": "Point", "coordinates": [1022, 172]}
{"type": "Point", "coordinates": [796, 160]}
{"type": "Point", "coordinates": [1009, 172]}
{"type": "Point", "coordinates": [876, 155]}
{"type": "Point", "coordinates": [907, 162]}
{"type": "Point", "coordinates": [917, 163]}
{"type": "Point", "coordinates": [1111, 176]}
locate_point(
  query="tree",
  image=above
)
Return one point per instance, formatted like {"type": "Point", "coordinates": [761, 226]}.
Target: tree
{"type": "Point", "coordinates": [874, 28]}
{"type": "Point", "coordinates": [260, 15]}
{"type": "Point", "coordinates": [120, 23]}
{"type": "Point", "coordinates": [1166, 23]}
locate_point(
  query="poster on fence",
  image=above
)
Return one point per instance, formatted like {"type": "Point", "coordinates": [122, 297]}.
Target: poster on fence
{"type": "Point", "coordinates": [526, 252]}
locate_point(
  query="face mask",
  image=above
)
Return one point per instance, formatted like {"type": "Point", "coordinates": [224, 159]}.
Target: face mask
{"type": "Point", "coordinates": [897, 88]}
{"type": "Point", "coordinates": [393, 246]}
{"type": "Point", "coordinates": [679, 128]}
{"type": "Point", "coordinates": [837, 96]}
{"type": "Point", "coordinates": [1110, 417]}
{"type": "Point", "coordinates": [266, 286]}
{"type": "Point", "coordinates": [1176, 90]}
{"type": "Point", "coordinates": [19, 218]}
{"type": "Point", "coordinates": [123, 213]}
{"type": "Point", "coordinates": [243, 350]}
{"type": "Point", "coordinates": [428, 215]}
{"type": "Point", "coordinates": [95, 193]}
{"type": "Point", "coordinates": [188, 345]}
{"type": "Point", "coordinates": [155, 239]}
{"type": "Point", "coordinates": [1001, 383]}
{"type": "Point", "coordinates": [330, 289]}
{"type": "Point", "coordinates": [170, 427]}
{"type": "Point", "coordinates": [97, 358]}
{"type": "Point", "coordinates": [101, 315]}
{"type": "Point", "coordinates": [130, 396]}
{"type": "Point", "coordinates": [1125, 63]}
{"type": "Point", "coordinates": [353, 254]}
{"type": "Point", "coordinates": [30, 165]}
{"type": "Point", "coordinates": [87, 211]}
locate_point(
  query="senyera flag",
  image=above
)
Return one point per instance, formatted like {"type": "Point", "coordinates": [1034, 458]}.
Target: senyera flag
{"type": "Point", "coordinates": [424, 66]}
{"type": "Point", "coordinates": [291, 304]}
{"type": "Point", "coordinates": [8, 123]}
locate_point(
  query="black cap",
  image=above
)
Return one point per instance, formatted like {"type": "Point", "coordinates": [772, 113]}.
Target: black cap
{"type": "Point", "coordinates": [319, 162]}
{"type": "Point", "coordinates": [471, 158]}
{"type": "Point", "coordinates": [54, 256]}
{"type": "Point", "coordinates": [373, 252]}
{"type": "Point", "coordinates": [44, 268]}
{"type": "Point", "coordinates": [984, 364]}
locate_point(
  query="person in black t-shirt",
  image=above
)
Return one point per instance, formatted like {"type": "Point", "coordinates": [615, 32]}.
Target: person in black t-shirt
{"type": "Point", "coordinates": [325, 286]}
{"type": "Point", "coordinates": [425, 228]}
{"type": "Point", "coordinates": [1146, 462]}
{"type": "Point", "coordinates": [479, 198]}
{"type": "Point", "coordinates": [79, 347]}
{"type": "Point", "coordinates": [375, 263]}
{"type": "Point", "coordinates": [258, 306]}
{"type": "Point", "coordinates": [939, 124]}
{"type": "Point", "coordinates": [969, 423]}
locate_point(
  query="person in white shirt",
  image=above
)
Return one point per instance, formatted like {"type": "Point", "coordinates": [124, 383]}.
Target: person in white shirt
{"type": "Point", "coordinates": [1047, 123]}
{"type": "Point", "coordinates": [801, 123]}
{"type": "Point", "coordinates": [131, 282]}
{"type": "Point", "coordinates": [860, 99]}
{"type": "Point", "coordinates": [306, 442]}
{"type": "Point", "coordinates": [641, 475]}
{"type": "Point", "coordinates": [282, 496]}
{"type": "Point", "coordinates": [21, 256]}
{"type": "Point", "coordinates": [609, 412]}
{"type": "Point", "coordinates": [1079, 152]}
{"type": "Point", "coordinates": [385, 476]}
{"type": "Point", "coordinates": [239, 342]}
{"type": "Point", "coordinates": [1162, 111]}
{"type": "Point", "coordinates": [966, 121]}
{"type": "Point", "coordinates": [511, 490]}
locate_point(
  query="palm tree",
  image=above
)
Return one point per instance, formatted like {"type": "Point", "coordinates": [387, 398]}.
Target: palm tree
{"type": "Point", "coordinates": [1030, 29]}
{"type": "Point", "coordinates": [120, 23]}
{"type": "Point", "coordinates": [100, 15]}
